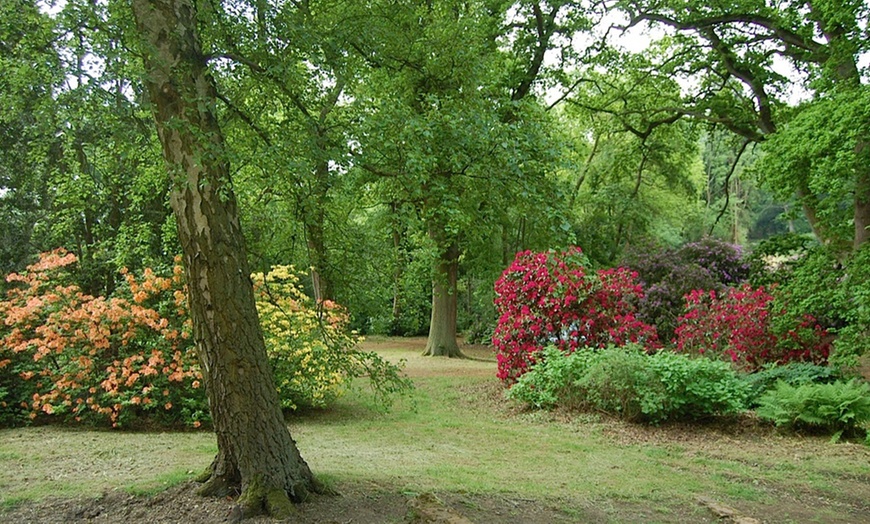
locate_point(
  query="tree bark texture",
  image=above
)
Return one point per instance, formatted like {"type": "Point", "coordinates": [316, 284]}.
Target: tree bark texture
{"type": "Point", "coordinates": [314, 220]}
{"type": "Point", "coordinates": [256, 454]}
{"type": "Point", "coordinates": [442, 326]}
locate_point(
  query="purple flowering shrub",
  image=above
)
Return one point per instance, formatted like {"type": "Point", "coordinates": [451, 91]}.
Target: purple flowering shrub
{"type": "Point", "coordinates": [669, 274]}
{"type": "Point", "coordinates": [724, 261]}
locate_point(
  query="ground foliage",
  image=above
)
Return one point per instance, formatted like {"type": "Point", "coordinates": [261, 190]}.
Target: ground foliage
{"type": "Point", "coordinates": [839, 407]}
{"type": "Point", "coordinates": [793, 374]}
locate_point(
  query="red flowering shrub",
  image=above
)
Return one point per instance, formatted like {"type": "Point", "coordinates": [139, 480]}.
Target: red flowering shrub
{"type": "Point", "coordinates": [97, 359]}
{"type": "Point", "coordinates": [735, 325]}
{"type": "Point", "coordinates": [616, 305]}
{"type": "Point", "coordinates": [549, 298]}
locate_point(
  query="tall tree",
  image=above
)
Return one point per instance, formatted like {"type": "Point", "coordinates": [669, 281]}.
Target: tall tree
{"type": "Point", "coordinates": [29, 148]}
{"type": "Point", "coordinates": [78, 150]}
{"type": "Point", "coordinates": [255, 450]}
{"type": "Point", "coordinates": [430, 128]}
{"type": "Point", "coordinates": [456, 130]}
{"type": "Point", "coordinates": [731, 50]}
{"type": "Point", "coordinates": [641, 174]}
{"type": "Point", "coordinates": [296, 125]}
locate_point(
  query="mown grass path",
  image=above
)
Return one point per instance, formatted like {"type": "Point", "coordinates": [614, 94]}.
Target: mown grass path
{"type": "Point", "coordinates": [489, 458]}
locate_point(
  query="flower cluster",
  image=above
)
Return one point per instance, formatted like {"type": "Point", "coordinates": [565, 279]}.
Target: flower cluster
{"type": "Point", "coordinates": [668, 274]}
{"type": "Point", "coordinates": [736, 325]}
{"type": "Point", "coordinates": [96, 359]}
{"type": "Point", "coordinates": [549, 299]}
{"type": "Point", "coordinates": [308, 343]}
{"type": "Point", "coordinates": [724, 261]}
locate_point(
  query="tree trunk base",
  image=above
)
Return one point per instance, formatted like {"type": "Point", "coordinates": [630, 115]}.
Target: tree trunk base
{"type": "Point", "coordinates": [443, 350]}
{"type": "Point", "coordinates": [258, 499]}
{"type": "Point", "coordinates": [275, 502]}
{"type": "Point", "coordinates": [216, 486]}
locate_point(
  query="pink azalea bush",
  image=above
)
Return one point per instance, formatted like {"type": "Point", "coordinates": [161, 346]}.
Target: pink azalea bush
{"type": "Point", "coordinates": [550, 298]}
{"type": "Point", "coordinates": [736, 325]}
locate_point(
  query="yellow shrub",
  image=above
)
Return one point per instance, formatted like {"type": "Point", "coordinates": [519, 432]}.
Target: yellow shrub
{"type": "Point", "coordinates": [309, 344]}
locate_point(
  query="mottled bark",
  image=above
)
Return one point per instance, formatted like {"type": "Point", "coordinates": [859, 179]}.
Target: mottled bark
{"type": "Point", "coordinates": [256, 454]}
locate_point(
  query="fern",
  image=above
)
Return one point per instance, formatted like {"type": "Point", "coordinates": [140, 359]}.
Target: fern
{"type": "Point", "coordinates": [840, 407]}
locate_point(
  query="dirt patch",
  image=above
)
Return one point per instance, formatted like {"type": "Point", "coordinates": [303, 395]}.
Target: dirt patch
{"type": "Point", "coordinates": [354, 504]}
{"type": "Point", "coordinates": [358, 504]}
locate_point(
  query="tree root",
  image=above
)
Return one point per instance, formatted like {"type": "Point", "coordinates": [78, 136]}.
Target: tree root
{"type": "Point", "coordinates": [276, 502]}
{"type": "Point", "coordinates": [216, 486]}
{"type": "Point", "coordinates": [257, 498]}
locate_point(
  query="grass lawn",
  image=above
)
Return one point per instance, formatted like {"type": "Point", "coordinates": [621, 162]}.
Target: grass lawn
{"type": "Point", "coordinates": [465, 443]}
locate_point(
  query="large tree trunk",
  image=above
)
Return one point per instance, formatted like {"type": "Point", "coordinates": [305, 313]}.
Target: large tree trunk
{"type": "Point", "coordinates": [256, 453]}
{"type": "Point", "coordinates": [442, 326]}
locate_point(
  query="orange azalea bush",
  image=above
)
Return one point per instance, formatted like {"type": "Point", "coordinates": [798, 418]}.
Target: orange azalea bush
{"type": "Point", "coordinates": [67, 354]}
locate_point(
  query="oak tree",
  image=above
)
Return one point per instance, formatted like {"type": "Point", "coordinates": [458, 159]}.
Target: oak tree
{"type": "Point", "coordinates": [735, 52]}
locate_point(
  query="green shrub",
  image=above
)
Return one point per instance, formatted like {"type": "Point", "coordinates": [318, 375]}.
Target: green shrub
{"type": "Point", "coordinates": [635, 385]}
{"type": "Point", "coordinates": [697, 387]}
{"type": "Point", "coordinates": [834, 291]}
{"type": "Point", "coordinates": [853, 340]}
{"type": "Point", "coordinates": [550, 380]}
{"type": "Point", "coordinates": [623, 382]}
{"type": "Point", "coordinates": [840, 407]}
{"type": "Point", "coordinates": [6, 417]}
{"type": "Point", "coordinates": [792, 373]}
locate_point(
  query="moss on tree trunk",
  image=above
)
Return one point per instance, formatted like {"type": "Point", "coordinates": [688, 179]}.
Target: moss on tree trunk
{"type": "Point", "coordinates": [256, 455]}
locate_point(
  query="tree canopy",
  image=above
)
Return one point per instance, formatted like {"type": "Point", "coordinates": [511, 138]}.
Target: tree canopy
{"type": "Point", "coordinates": [401, 153]}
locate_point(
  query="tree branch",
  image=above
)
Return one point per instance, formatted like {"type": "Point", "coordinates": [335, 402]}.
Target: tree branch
{"type": "Point", "coordinates": [245, 118]}
{"type": "Point", "coordinates": [727, 184]}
